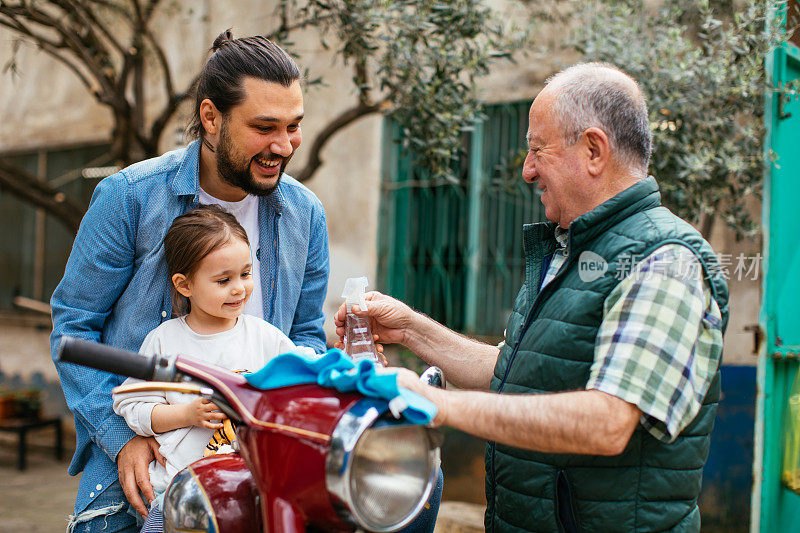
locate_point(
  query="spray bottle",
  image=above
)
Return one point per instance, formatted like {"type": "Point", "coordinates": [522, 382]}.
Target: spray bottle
{"type": "Point", "coordinates": [358, 342]}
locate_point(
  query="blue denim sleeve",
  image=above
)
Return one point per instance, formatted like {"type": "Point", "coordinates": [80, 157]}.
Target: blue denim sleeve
{"type": "Point", "coordinates": [308, 320]}
{"type": "Point", "coordinates": [98, 270]}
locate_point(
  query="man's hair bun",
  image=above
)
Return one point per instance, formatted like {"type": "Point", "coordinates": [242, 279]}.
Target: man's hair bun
{"type": "Point", "coordinates": [222, 39]}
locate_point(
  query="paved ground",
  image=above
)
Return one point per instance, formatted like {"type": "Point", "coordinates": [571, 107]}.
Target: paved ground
{"type": "Point", "coordinates": [38, 499]}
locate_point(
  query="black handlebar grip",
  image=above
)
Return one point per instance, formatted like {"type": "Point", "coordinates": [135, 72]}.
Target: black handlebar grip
{"type": "Point", "coordinates": [102, 357]}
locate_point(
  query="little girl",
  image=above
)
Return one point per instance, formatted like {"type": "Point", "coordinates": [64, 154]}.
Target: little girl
{"type": "Point", "coordinates": [209, 263]}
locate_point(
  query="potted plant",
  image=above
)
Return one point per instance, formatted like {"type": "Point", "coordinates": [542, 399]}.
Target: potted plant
{"type": "Point", "coordinates": [28, 403]}
{"type": "Point", "coordinates": [7, 404]}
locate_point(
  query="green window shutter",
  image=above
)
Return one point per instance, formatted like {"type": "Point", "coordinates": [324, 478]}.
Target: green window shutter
{"type": "Point", "coordinates": [453, 250]}
{"type": "Point", "coordinates": [23, 230]}
{"type": "Point", "coordinates": [17, 221]}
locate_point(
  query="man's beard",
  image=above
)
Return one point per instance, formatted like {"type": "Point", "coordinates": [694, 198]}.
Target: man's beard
{"type": "Point", "coordinates": [240, 176]}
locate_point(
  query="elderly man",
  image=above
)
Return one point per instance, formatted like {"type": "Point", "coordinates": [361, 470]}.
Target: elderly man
{"type": "Point", "coordinates": [604, 391]}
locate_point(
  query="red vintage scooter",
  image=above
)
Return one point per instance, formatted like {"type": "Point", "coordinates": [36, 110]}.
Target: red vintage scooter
{"type": "Point", "coordinates": [310, 458]}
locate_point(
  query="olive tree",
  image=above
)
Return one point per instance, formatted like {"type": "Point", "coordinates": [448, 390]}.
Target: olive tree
{"type": "Point", "coordinates": [416, 60]}
{"type": "Point", "coordinates": [701, 66]}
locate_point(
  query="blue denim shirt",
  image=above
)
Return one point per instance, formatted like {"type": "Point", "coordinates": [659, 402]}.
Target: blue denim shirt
{"type": "Point", "coordinates": [116, 289]}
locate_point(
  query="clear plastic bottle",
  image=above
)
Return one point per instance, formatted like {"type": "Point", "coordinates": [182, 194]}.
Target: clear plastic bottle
{"type": "Point", "coordinates": [358, 342]}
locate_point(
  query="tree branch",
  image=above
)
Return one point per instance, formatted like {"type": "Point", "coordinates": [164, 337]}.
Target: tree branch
{"type": "Point", "coordinates": [92, 22]}
{"type": "Point", "coordinates": [71, 40]}
{"type": "Point", "coordinates": [138, 87]}
{"type": "Point", "coordinates": [138, 70]}
{"type": "Point", "coordinates": [150, 8]}
{"type": "Point", "coordinates": [362, 79]}
{"type": "Point", "coordinates": [344, 119]}
{"type": "Point", "coordinates": [27, 188]}
{"type": "Point", "coordinates": [14, 23]}
{"type": "Point", "coordinates": [162, 60]}
{"type": "Point", "coordinates": [137, 9]}
{"type": "Point", "coordinates": [51, 49]}
{"type": "Point", "coordinates": [124, 72]}
{"type": "Point", "coordinates": [169, 110]}
{"type": "Point", "coordinates": [286, 28]}
{"type": "Point", "coordinates": [113, 6]}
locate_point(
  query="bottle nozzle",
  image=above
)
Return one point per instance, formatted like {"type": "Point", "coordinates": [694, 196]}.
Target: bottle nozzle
{"type": "Point", "coordinates": [355, 291]}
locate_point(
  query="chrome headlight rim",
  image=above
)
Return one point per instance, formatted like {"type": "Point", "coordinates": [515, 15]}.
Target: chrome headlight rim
{"type": "Point", "coordinates": [183, 480]}
{"type": "Point", "coordinates": [363, 415]}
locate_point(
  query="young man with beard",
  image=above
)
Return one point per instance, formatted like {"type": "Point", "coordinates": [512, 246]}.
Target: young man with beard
{"type": "Point", "coordinates": [115, 288]}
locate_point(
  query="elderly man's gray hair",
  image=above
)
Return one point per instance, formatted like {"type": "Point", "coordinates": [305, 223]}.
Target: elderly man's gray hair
{"type": "Point", "coordinates": [600, 95]}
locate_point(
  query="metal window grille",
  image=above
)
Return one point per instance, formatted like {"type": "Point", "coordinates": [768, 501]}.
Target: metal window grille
{"type": "Point", "coordinates": [453, 249]}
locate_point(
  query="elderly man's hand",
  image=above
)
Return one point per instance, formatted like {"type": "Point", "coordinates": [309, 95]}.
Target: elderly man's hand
{"type": "Point", "coordinates": [390, 319]}
{"type": "Point", "coordinates": [410, 380]}
{"type": "Point", "coordinates": [133, 462]}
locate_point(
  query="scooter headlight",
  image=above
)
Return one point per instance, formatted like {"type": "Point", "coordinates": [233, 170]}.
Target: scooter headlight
{"type": "Point", "coordinates": [186, 506]}
{"type": "Point", "coordinates": [382, 471]}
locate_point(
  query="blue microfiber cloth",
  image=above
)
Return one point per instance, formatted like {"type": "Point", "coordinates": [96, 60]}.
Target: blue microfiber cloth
{"type": "Point", "coordinates": [335, 369]}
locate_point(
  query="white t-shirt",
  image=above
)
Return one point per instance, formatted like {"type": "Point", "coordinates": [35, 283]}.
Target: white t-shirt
{"type": "Point", "coordinates": [247, 346]}
{"type": "Point", "coordinates": [246, 212]}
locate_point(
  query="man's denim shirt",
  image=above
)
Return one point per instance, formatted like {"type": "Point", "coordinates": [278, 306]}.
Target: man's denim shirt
{"type": "Point", "coordinates": [116, 289]}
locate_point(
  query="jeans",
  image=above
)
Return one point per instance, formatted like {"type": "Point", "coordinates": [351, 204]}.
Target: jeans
{"type": "Point", "coordinates": [426, 521]}
{"type": "Point", "coordinates": [110, 512]}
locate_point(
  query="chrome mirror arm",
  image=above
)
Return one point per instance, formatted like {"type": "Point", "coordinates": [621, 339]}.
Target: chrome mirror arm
{"type": "Point", "coordinates": [434, 377]}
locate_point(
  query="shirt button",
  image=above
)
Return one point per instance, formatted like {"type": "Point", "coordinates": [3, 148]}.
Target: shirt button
{"type": "Point", "coordinates": [91, 494]}
{"type": "Point", "coordinates": [99, 487]}
{"type": "Point", "coordinates": [163, 314]}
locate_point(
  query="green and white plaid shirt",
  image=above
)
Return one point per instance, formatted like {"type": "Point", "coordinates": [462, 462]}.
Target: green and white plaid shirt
{"type": "Point", "coordinates": [660, 341]}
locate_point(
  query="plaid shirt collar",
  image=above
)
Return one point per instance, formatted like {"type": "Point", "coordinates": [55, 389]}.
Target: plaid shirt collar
{"type": "Point", "coordinates": [562, 239]}
{"type": "Point", "coordinates": [559, 255]}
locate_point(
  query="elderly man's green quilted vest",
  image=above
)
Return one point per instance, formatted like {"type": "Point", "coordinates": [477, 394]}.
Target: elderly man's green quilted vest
{"type": "Point", "coordinates": [549, 347]}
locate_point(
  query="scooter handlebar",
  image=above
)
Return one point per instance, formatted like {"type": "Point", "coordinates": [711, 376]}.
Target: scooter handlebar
{"type": "Point", "coordinates": [114, 360]}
